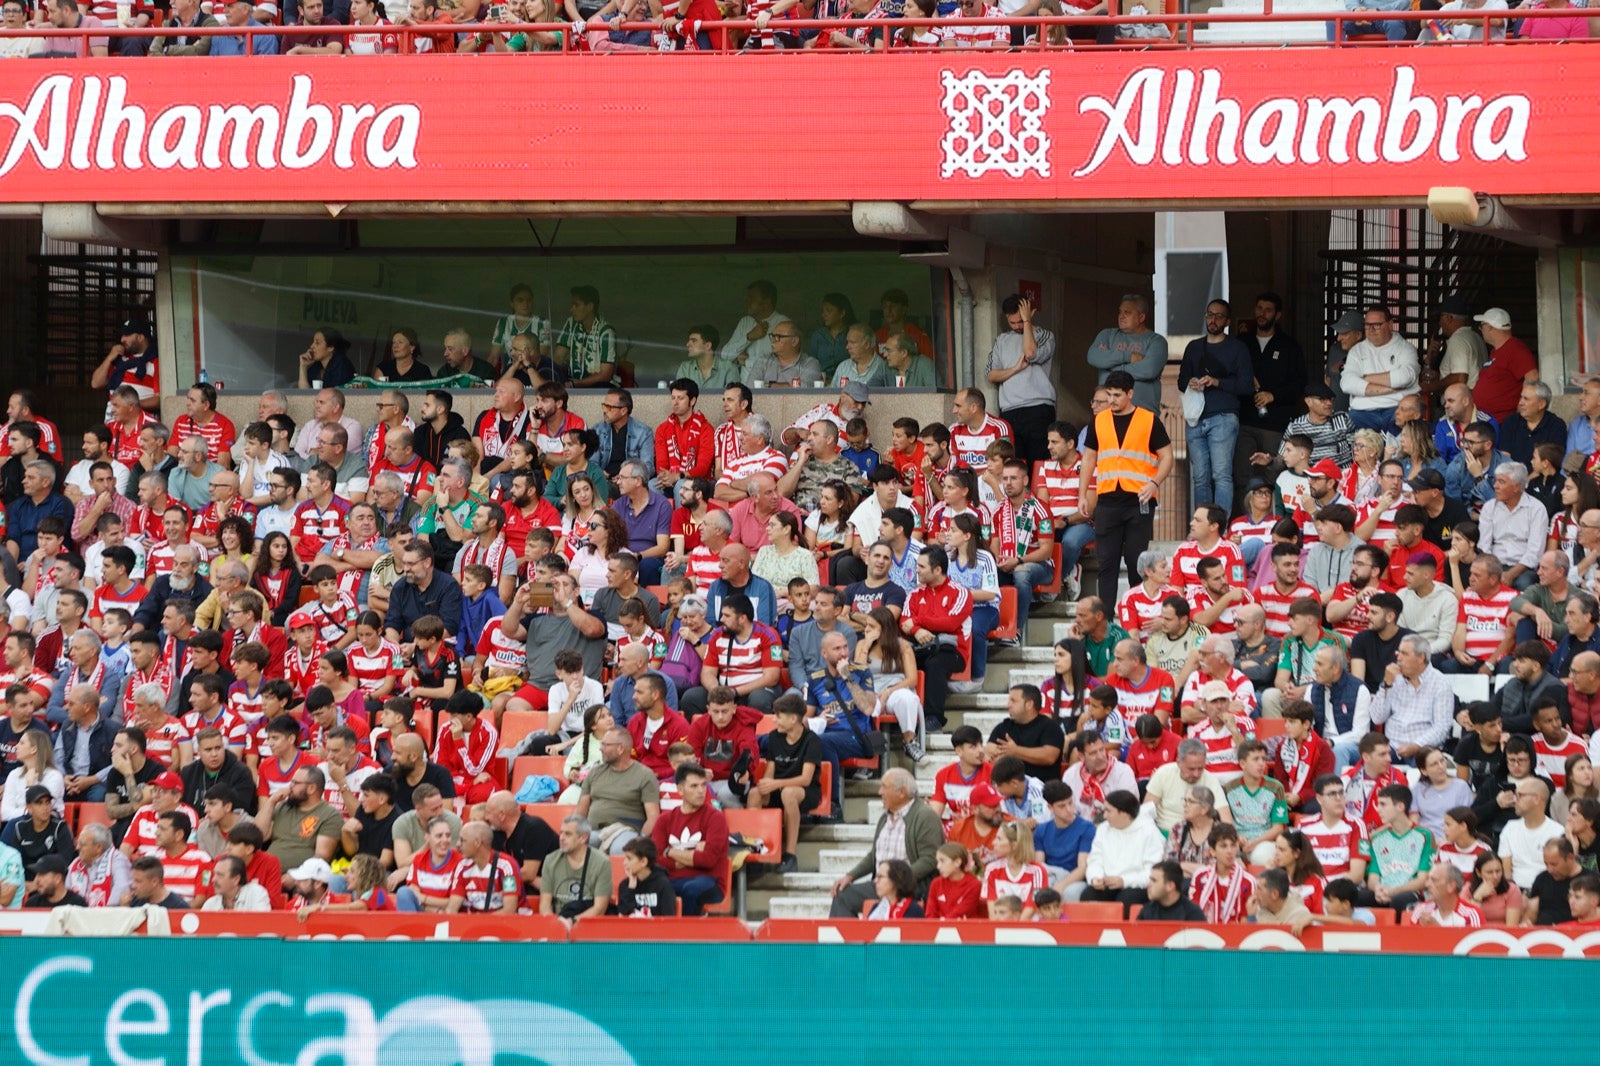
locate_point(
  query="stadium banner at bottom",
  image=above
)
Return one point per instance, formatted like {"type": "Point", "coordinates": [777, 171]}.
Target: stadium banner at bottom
{"type": "Point", "coordinates": [188, 1002]}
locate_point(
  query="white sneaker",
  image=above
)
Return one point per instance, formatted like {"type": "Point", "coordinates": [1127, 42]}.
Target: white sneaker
{"type": "Point", "coordinates": [966, 688]}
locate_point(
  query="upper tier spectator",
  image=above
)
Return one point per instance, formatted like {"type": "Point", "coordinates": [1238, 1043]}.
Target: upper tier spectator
{"type": "Point", "coordinates": [1134, 348]}
{"type": "Point", "coordinates": [750, 342]}
{"type": "Point", "coordinates": [1508, 365]}
{"type": "Point", "coordinates": [1383, 367]}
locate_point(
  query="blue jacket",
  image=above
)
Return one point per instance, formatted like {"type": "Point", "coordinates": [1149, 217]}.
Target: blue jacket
{"type": "Point", "coordinates": [1473, 493]}
{"type": "Point", "coordinates": [1444, 435]}
{"type": "Point", "coordinates": [761, 596]}
{"type": "Point", "coordinates": [100, 740]}
{"type": "Point", "coordinates": [640, 444]}
{"type": "Point", "coordinates": [110, 697]}
{"type": "Point", "coordinates": [621, 701]}
{"type": "Point", "coordinates": [831, 696]}
{"type": "Point", "coordinates": [1333, 711]}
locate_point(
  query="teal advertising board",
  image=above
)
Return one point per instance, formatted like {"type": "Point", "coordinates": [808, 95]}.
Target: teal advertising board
{"type": "Point", "coordinates": [185, 1002]}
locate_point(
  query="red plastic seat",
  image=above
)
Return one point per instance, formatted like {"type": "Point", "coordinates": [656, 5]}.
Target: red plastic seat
{"type": "Point", "coordinates": [526, 766]}
{"type": "Point", "coordinates": [1007, 627]}
{"type": "Point", "coordinates": [551, 814]}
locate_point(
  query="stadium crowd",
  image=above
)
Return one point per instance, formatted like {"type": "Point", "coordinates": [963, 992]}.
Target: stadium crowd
{"type": "Point", "coordinates": [469, 26]}
{"type": "Point", "coordinates": [288, 661]}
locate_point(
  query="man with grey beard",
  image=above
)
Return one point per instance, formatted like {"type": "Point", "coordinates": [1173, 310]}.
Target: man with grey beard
{"type": "Point", "coordinates": [184, 583]}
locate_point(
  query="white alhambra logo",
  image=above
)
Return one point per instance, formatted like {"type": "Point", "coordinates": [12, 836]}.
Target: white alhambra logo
{"type": "Point", "coordinates": [1179, 124]}
{"type": "Point", "coordinates": [996, 124]}
{"type": "Point", "coordinates": [57, 127]}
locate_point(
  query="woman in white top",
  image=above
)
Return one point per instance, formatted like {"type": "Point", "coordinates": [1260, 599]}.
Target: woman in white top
{"type": "Point", "coordinates": [38, 758]}
{"type": "Point", "coordinates": [607, 537]}
{"type": "Point", "coordinates": [785, 557]}
{"type": "Point", "coordinates": [828, 527]}
{"type": "Point", "coordinates": [584, 753]}
{"type": "Point", "coordinates": [894, 675]}
{"type": "Point", "coordinates": [581, 504]}
{"type": "Point", "coordinates": [973, 568]}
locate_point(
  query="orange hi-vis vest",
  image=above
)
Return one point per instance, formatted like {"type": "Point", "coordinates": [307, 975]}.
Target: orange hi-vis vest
{"type": "Point", "coordinates": [1130, 464]}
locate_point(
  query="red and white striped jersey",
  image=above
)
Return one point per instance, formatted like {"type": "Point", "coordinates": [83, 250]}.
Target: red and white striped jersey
{"type": "Point", "coordinates": [1187, 558]}
{"type": "Point", "coordinates": [1335, 845]}
{"type": "Point", "coordinates": [1275, 602]}
{"type": "Point", "coordinates": [383, 38]}
{"type": "Point", "coordinates": [1383, 535]}
{"type": "Point", "coordinates": [741, 662]}
{"type": "Point", "coordinates": [188, 874]}
{"type": "Point", "coordinates": [161, 557]}
{"type": "Point", "coordinates": [955, 792]}
{"type": "Point", "coordinates": [230, 725]}
{"type": "Point", "coordinates": [1222, 756]}
{"type": "Point", "coordinates": [1151, 694]}
{"type": "Point", "coordinates": [161, 741]}
{"type": "Point", "coordinates": [1463, 859]}
{"type": "Point", "coordinates": [998, 880]}
{"type": "Point", "coordinates": [704, 568]}
{"type": "Point", "coordinates": [125, 439]}
{"type": "Point", "coordinates": [1551, 759]}
{"type": "Point", "coordinates": [1465, 916]}
{"type": "Point", "coordinates": [1200, 600]}
{"type": "Point", "coordinates": [727, 446]}
{"type": "Point", "coordinates": [106, 596]}
{"type": "Point", "coordinates": [334, 795]}
{"type": "Point", "coordinates": [1305, 517]}
{"type": "Point", "coordinates": [484, 889]}
{"type": "Point", "coordinates": [245, 705]}
{"type": "Point", "coordinates": [968, 446]}
{"type": "Point", "coordinates": [218, 434]}
{"type": "Point", "coordinates": [991, 36]}
{"type": "Point", "coordinates": [1137, 606]}
{"type": "Point", "coordinates": [160, 674]}
{"type": "Point", "coordinates": [1059, 487]}
{"type": "Point", "coordinates": [768, 459]}
{"type": "Point", "coordinates": [271, 778]}
{"type": "Point", "coordinates": [142, 829]}
{"type": "Point", "coordinates": [1357, 619]}
{"type": "Point", "coordinates": [940, 517]}
{"type": "Point", "coordinates": [49, 434]}
{"type": "Point", "coordinates": [369, 669]}
{"type": "Point", "coordinates": [1485, 619]}
{"type": "Point", "coordinates": [1244, 528]}
{"type": "Point", "coordinates": [316, 527]}
{"type": "Point", "coordinates": [500, 651]}
{"type": "Point", "coordinates": [205, 522]}
{"type": "Point", "coordinates": [428, 879]}
{"type": "Point", "coordinates": [417, 476]}
{"type": "Point", "coordinates": [655, 645]}
{"type": "Point", "coordinates": [299, 669]}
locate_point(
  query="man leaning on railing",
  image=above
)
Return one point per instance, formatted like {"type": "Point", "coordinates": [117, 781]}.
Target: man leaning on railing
{"type": "Point", "coordinates": [65, 15]}
{"type": "Point", "coordinates": [240, 13]}
{"type": "Point", "coordinates": [186, 14]}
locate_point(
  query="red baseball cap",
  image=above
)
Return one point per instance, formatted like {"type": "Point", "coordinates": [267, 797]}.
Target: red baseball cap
{"type": "Point", "coordinates": [168, 780]}
{"type": "Point", "coordinates": [300, 619]}
{"type": "Point", "coordinates": [984, 795]}
{"type": "Point", "coordinates": [1325, 468]}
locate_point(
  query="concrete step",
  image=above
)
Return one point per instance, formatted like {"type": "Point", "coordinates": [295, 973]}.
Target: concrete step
{"type": "Point", "coordinates": [975, 701]}
{"type": "Point", "coordinates": [1025, 654]}
{"type": "Point", "coordinates": [983, 721]}
{"type": "Point", "coordinates": [836, 861]}
{"type": "Point", "coordinates": [805, 881]}
{"type": "Point", "coordinates": [843, 833]}
{"type": "Point", "coordinates": [799, 906]}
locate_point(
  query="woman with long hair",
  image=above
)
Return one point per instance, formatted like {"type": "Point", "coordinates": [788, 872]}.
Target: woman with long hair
{"type": "Point", "coordinates": [1579, 493]}
{"type": "Point", "coordinates": [896, 885]}
{"type": "Point", "coordinates": [784, 557]}
{"type": "Point", "coordinates": [1492, 892]}
{"type": "Point", "coordinates": [375, 660]}
{"type": "Point", "coordinates": [1579, 784]}
{"type": "Point", "coordinates": [236, 540]}
{"type": "Point", "coordinates": [973, 568]}
{"type": "Point", "coordinates": [1295, 856]}
{"type": "Point", "coordinates": [577, 459]}
{"type": "Point", "coordinates": [828, 527]}
{"type": "Point", "coordinates": [955, 892]}
{"type": "Point", "coordinates": [607, 537]}
{"type": "Point", "coordinates": [325, 364]}
{"type": "Point", "coordinates": [1460, 556]}
{"type": "Point", "coordinates": [1417, 451]}
{"type": "Point", "coordinates": [1583, 831]}
{"type": "Point", "coordinates": [893, 664]}
{"type": "Point", "coordinates": [581, 505]}
{"type": "Point", "coordinates": [1459, 844]}
{"type": "Point", "coordinates": [36, 758]}
{"type": "Point", "coordinates": [1013, 871]}
{"type": "Point", "coordinates": [333, 673]}
{"type": "Point", "coordinates": [274, 574]}
{"type": "Point", "coordinates": [1068, 686]}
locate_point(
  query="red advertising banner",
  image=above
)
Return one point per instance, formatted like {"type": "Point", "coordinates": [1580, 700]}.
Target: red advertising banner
{"type": "Point", "coordinates": [351, 926]}
{"type": "Point", "coordinates": [1405, 940]}
{"type": "Point", "coordinates": [1229, 124]}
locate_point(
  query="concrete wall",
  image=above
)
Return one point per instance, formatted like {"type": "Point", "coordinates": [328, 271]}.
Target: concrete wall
{"type": "Point", "coordinates": [650, 406]}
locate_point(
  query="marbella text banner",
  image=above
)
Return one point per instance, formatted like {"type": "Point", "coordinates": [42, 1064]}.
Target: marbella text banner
{"type": "Point", "coordinates": [1223, 124]}
{"type": "Point", "coordinates": [188, 1002]}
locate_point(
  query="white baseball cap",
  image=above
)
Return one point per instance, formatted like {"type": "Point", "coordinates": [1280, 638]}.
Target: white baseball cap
{"type": "Point", "coordinates": [313, 870]}
{"type": "Point", "coordinates": [1496, 317]}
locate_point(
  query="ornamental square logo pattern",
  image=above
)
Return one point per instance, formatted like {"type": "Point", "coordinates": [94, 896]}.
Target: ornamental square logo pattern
{"type": "Point", "coordinates": [996, 124]}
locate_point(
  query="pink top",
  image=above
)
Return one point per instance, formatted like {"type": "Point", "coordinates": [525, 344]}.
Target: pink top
{"type": "Point", "coordinates": [1555, 29]}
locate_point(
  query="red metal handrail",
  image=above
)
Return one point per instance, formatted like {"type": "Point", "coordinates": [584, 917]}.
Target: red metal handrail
{"type": "Point", "coordinates": [1189, 22]}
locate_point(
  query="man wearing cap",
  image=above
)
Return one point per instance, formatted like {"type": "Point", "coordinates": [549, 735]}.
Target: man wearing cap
{"type": "Point", "coordinates": [854, 399]}
{"type": "Point", "coordinates": [1380, 370]}
{"type": "Point", "coordinates": [1325, 483]}
{"type": "Point", "coordinates": [1217, 368]}
{"type": "Point", "coordinates": [132, 362]}
{"type": "Point", "coordinates": [38, 833]}
{"type": "Point", "coordinates": [1463, 349]}
{"type": "Point", "coordinates": [1022, 365]}
{"type": "Point", "coordinates": [1443, 512]}
{"type": "Point", "coordinates": [49, 877]}
{"type": "Point", "coordinates": [166, 795]}
{"type": "Point", "coordinates": [1513, 525]}
{"type": "Point", "coordinates": [1328, 430]}
{"type": "Point", "coordinates": [1459, 412]}
{"type": "Point", "coordinates": [1507, 367]}
{"type": "Point", "coordinates": [310, 883]}
{"type": "Point", "coordinates": [976, 832]}
{"type": "Point", "coordinates": [1346, 333]}
{"type": "Point", "coordinates": [1532, 424]}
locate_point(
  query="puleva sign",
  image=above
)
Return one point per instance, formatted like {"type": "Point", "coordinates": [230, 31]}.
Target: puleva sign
{"type": "Point", "coordinates": [1226, 124]}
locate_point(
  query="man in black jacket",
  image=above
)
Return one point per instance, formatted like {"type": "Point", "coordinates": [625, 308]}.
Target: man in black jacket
{"type": "Point", "coordinates": [216, 767]}
{"type": "Point", "coordinates": [1167, 902]}
{"type": "Point", "coordinates": [39, 832]}
{"type": "Point", "coordinates": [1280, 373]}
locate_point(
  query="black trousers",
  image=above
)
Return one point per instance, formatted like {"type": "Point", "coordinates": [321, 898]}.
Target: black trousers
{"type": "Point", "coordinates": [1121, 532]}
{"type": "Point", "coordinates": [1029, 426]}
{"type": "Point", "coordinates": [937, 662]}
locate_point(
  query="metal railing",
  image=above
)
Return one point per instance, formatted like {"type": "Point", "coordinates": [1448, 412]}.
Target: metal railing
{"type": "Point", "coordinates": [1181, 30]}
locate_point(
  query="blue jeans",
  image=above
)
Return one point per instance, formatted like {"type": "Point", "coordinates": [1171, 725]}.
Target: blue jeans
{"type": "Point", "coordinates": [406, 900]}
{"type": "Point", "coordinates": [1345, 755]}
{"type": "Point", "coordinates": [697, 893]}
{"type": "Point", "coordinates": [838, 744]}
{"type": "Point", "coordinates": [92, 794]}
{"type": "Point", "coordinates": [1395, 31]}
{"type": "Point", "coordinates": [1023, 578]}
{"type": "Point", "coordinates": [985, 616]}
{"type": "Point", "coordinates": [1073, 540]}
{"type": "Point", "coordinates": [1211, 447]}
{"type": "Point", "coordinates": [1251, 550]}
{"type": "Point", "coordinates": [1379, 417]}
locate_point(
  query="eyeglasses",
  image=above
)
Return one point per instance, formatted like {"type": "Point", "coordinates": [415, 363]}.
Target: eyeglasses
{"type": "Point", "coordinates": [1375, 325]}
{"type": "Point", "coordinates": [612, 406]}
{"type": "Point", "coordinates": [785, 336]}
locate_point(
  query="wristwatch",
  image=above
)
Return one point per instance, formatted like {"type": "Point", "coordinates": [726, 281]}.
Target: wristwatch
{"type": "Point", "coordinates": [338, 553]}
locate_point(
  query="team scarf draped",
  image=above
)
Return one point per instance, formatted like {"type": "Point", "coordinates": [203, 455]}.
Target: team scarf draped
{"type": "Point", "coordinates": [1222, 903]}
{"type": "Point", "coordinates": [495, 445]}
{"type": "Point", "coordinates": [494, 556]}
